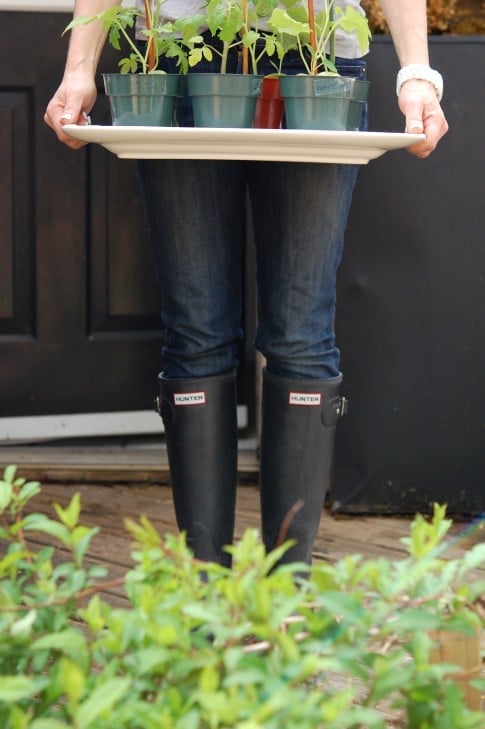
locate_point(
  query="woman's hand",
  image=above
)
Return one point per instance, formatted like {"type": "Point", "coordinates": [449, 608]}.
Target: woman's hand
{"type": "Point", "coordinates": [423, 113]}
{"type": "Point", "coordinates": [71, 104]}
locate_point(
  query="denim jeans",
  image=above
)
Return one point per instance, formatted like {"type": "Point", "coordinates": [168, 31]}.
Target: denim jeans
{"type": "Point", "coordinates": [196, 213]}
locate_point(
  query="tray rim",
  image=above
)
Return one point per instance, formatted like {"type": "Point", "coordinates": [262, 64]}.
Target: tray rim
{"type": "Point", "coordinates": [145, 142]}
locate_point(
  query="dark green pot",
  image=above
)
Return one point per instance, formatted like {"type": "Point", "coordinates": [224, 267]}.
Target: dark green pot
{"type": "Point", "coordinates": [223, 99]}
{"type": "Point", "coordinates": [316, 102]}
{"type": "Point", "coordinates": [358, 99]}
{"type": "Point", "coordinates": [141, 99]}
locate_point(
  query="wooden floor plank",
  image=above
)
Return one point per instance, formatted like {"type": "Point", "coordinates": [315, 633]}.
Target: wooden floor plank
{"type": "Point", "coordinates": [106, 506]}
{"type": "Point", "coordinates": [130, 461]}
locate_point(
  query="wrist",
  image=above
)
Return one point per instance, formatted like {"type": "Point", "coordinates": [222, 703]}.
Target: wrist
{"type": "Point", "coordinates": [420, 72]}
{"type": "Point", "coordinates": [80, 69]}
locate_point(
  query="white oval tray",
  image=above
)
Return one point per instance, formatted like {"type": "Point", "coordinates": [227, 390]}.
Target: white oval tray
{"type": "Point", "coordinates": [274, 145]}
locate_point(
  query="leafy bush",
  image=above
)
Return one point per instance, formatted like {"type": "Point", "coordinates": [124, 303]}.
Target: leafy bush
{"type": "Point", "coordinates": [201, 646]}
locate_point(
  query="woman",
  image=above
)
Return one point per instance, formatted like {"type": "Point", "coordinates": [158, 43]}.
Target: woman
{"type": "Point", "coordinates": [195, 212]}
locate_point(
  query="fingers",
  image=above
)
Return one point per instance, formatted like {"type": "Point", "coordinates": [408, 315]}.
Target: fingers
{"type": "Point", "coordinates": [71, 104]}
{"type": "Point", "coordinates": [57, 115]}
{"type": "Point", "coordinates": [434, 126]}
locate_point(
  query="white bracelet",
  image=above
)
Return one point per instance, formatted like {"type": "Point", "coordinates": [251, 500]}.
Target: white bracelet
{"type": "Point", "coordinates": [422, 73]}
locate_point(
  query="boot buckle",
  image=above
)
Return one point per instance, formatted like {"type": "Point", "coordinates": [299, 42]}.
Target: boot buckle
{"type": "Point", "coordinates": [342, 407]}
{"type": "Point", "coordinates": [333, 410]}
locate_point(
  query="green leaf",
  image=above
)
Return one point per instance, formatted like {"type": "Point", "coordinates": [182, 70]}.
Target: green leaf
{"type": "Point", "coordinates": [355, 22]}
{"type": "Point", "coordinates": [16, 688]}
{"type": "Point", "coordinates": [73, 680]}
{"type": "Point", "coordinates": [49, 723]}
{"type": "Point", "coordinates": [23, 627]}
{"type": "Point", "coordinates": [93, 614]}
{"type": "Point", "coordinates": [425, 535]}
{"type": "Point", "coordinates": [473, 559]}
{"type": "Point", "coordinates": [69, 641]}
{"type": "Point", "coordinates": [364, 717]}
{"type": "Point", "coordinates": [390, 677]}
{"type": "Point", "coordinates": [342, 605]}
{"type": "Point", "coordinates": [28, 491]}
{"type": "Point", "coordinates": [9, 474]}
{"type": "Point", "coordinates": [101, 700]}
{"type": "Point", "coordinates": [81, 539]}
{"type": "Point", "coordinates": [284, 23]}
{"type": "Point", "coordinates": [13, 559]}
{"type": "Point", "coordinates": [150, 659]}
{"type": "Point", "coordinates": [204, 613]}
{"type": "Point", "coordinates": [70, 515]}
{"type": "Point", "coordinates": [42, 523]}
{"type": "Point", "coordinates": [209, 678]}
{"type": "Point", "coordinates": [6, 493]}
{"type": "Point", "coordinates": [416, 619]}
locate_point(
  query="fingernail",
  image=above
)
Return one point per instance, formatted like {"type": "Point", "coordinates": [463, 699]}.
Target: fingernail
{"type": "Point", "coordinates": [67, 115]}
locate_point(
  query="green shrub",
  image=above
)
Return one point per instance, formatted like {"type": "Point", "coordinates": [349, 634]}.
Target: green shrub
{"type": "Point", "coordinates": [201, 646]}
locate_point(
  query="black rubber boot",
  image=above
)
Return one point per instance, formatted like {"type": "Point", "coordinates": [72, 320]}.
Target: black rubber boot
{"type": "Point", "coordinates": [200, 419]}
{"type": "Point", "coordinates": [297, 439]}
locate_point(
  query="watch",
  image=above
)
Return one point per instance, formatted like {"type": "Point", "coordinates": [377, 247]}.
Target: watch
{"type": "Point", "coordinates": [422, 73]}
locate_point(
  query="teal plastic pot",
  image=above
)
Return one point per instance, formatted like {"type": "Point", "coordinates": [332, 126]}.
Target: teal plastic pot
{"type": "Point", "coordinates": [316, 102]}
{"type": "Point", "coordinates": [141, 99]}
{"type": "Point", "coordinates": [358, 99]}
{"type": "Point", "coordinates": [354, 115]}
{"type": "Point", "coordinates": [360, 89]}
{"type": "Point", "coordinates": [223, 99]}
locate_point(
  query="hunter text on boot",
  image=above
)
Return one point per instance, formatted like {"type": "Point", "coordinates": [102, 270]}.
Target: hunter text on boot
{"type": "Point", "coordinates": [305, 398]}
{"type": "Point", "coordinates": [189, 398]}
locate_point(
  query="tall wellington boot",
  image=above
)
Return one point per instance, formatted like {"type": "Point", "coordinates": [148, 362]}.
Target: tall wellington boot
{"type": "Point", "coordinates": [200, 419]}
{"type": "Point", "coordinates": [297, 439]}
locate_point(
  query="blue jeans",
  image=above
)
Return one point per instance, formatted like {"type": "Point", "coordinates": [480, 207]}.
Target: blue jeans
{"type": "Point", "coordinates": [196, 213]}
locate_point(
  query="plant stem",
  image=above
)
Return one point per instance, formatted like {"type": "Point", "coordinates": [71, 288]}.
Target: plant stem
{"type": "Point", "coordinates": [99, 587]}
{"type": "Point", "coordinates": [150, 47]}
{"type": "Point", "coordinates": [245, 56]}
{"type": "Point", "coordinates": [332, 37]}
{"type": "Point", "coordinates": [134, 48]}
{"type": "Point", "coordinates": [224, 54]}
{"type": "Point", "coordinates": [313, 41]}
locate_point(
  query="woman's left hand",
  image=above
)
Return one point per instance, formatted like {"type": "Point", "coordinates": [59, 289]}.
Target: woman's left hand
{"type": "Point", "coordinates": [424, 115]}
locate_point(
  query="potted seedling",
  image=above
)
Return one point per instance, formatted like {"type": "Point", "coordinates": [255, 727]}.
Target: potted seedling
{"type": "Point", "coordinates": [226, 99]}
{"type": "Point", "coordinates": [140, 93]}
{"type": "Point", "coordinates": [320, 98]}
{"type": "Point", "coordinates": [269, 105]}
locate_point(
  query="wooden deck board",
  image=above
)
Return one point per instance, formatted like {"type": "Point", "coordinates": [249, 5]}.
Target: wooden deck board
{"type": "Point", "coordinates": [106, 506]}
{"type": "Point", "coordinates": [130, 461]}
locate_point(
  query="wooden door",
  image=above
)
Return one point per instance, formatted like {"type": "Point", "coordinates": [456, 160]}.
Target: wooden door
{"type": "Point", "coordinates": [79, 322]}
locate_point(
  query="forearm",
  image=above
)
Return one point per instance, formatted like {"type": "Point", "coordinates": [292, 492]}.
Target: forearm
{"type": "Point", "coordinates": [86, 41]}
{"type": "Point", "coordinates": [408, 26]}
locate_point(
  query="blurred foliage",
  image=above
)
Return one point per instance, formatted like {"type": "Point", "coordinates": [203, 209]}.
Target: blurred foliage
{"type": "Point", "coordinates": [460, 17]}
{"type": "Point", "coordinates": [200, 646]}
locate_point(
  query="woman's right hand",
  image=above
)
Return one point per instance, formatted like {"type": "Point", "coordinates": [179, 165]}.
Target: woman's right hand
{"type": "Point", "coordinates": [71, 104]}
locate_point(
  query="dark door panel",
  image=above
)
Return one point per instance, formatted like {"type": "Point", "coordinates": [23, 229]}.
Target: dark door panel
{"type": "Point", "coordinates": [79, 321]}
